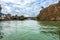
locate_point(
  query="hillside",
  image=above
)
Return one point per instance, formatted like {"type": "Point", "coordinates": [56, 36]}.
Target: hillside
{"type": "Point", "coordinates": [50, 13]}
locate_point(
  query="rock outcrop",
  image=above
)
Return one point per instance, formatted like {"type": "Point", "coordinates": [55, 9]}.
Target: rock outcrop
{"type": "Point", "coordinates": [50, 13]}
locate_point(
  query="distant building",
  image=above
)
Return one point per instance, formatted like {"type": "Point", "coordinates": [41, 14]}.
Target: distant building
{"type": "Point", "coordinates": [3, 16]}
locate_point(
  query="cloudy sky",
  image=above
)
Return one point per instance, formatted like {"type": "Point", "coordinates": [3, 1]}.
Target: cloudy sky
{"type": "Point", "coordinates": [24, 7]}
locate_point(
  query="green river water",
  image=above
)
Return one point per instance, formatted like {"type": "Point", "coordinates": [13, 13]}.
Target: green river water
{"type": "Point", "coordinates": [29, 30]}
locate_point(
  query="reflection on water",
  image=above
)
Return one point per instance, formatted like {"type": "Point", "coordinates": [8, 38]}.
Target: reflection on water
{"type": "Point", "coordinates": [50, 26]}
{"type": "Point", "coordinates": [1, 33]}
{"type": "Point", "coordinates": [29, 30]}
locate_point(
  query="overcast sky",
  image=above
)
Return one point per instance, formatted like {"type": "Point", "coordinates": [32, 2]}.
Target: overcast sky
{"type": "Point", "coordinates": [25, 7]}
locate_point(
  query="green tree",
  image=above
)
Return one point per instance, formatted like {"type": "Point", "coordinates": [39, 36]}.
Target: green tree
{"type": "Point", "coordinates": [0, 8]}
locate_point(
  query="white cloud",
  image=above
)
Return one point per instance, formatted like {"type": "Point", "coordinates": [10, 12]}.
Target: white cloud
{"type": "Point", "coordinates": [17, 10]}
{"type": "Point", "coordinates": [30, 7]}
{"type": "Point", "coordinates": [8, 8]}
{"type": "Point", "coordinates": [8, 0]}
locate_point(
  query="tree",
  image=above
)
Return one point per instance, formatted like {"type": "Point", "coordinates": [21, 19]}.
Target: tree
{"type": "Point", "coordinates": [42, 7]}
{"type": "Point", "coordinates": [8, 14]}
{"type": "Point", "coordinates": [0, 8]}
{"type": "Point", "coordinates": [59, 1]}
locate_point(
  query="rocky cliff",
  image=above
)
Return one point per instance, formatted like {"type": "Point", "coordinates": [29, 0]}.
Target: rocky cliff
{"type": "Point", "coordinates": [50, 13]}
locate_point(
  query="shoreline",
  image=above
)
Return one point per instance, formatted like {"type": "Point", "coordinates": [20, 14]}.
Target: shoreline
{"type": "Point", "coordinates": [29, 19]}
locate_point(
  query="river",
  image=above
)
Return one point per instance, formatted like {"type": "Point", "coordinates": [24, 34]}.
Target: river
{"type": "Point", "coordinates": [29, 30]}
